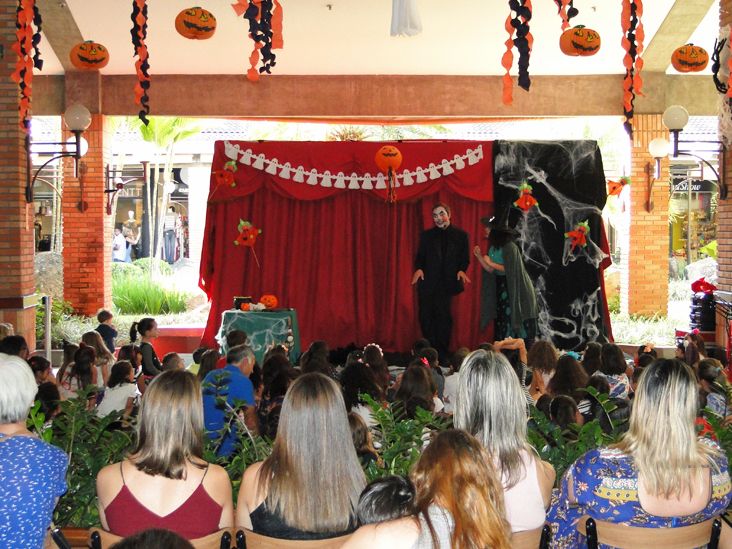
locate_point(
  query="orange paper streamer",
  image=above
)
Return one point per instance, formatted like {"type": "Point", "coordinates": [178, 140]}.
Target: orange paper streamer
{"type": "Point", "coordinates": [507, 62]}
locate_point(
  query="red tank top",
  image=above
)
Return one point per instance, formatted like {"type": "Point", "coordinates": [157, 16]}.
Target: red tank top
{"type": "Point", "coordinates": [196, 517]}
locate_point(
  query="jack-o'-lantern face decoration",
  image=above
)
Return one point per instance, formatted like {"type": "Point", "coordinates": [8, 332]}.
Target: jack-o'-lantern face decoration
{"type": "Point", "coordinates": [247, 234]}
{"type": "Point", "coordinates": [226, 176]}
{"type": "Point", "coordinates": [388, 157]}
{"type": "Point", "coordinates": [580, 41]}
{"type": "Point", "coordinates": [195, 23]}
{"type": "Point", "coordinates": [269, 301]}
{"type": "Point", "coordinates": [690, 58]}
{"type": "Point", "coordinates": [89, 56]}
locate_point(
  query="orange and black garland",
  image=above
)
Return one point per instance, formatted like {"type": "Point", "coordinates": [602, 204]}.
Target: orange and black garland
{"type": "Point", "coordinates": [566, 11]}
{"type": "Point", "coordinates": [517, 23]}
{"type": "Point", "coordinates": [717, 65]}
{"type": "Point", "coordinates": [632, 42]}
{"type": "Point", "coordinates": [28, 37]}
{"type": "Point", "coordinates": [142, 65]}
{"type": "Point", "coordinates": [265, 29]}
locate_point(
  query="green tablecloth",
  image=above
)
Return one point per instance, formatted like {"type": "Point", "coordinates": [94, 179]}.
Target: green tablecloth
{"type": "Point", "coordinates": [264, 328]}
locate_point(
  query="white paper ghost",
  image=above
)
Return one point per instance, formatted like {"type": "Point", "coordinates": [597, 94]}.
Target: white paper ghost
{"type": "Point", "coordinates": [405, 19]}
{"type": "Point", "coordinates": [272, 167]}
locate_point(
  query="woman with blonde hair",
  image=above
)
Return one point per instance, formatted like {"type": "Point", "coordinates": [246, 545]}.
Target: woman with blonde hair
{"type": "Point", "coordinates": [104, 360]}
{"type": "Point", "coordinates": [681, 479]}
{"type": "Point", "coordinates": [309, 486]}
{"type": "Point", "coordinates": [491, 406]}
{"type": "Point", "coordinates": [459, 502]}
{"type": "Point", "coordinates": [165, 482]}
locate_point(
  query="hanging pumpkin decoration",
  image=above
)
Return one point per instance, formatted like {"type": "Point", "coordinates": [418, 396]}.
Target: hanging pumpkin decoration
{"type": "Point", "coordinates": [269, 301]}
{"type": "Point", "coordinates": [247, 236]}
{"type": "Point", "coordinates": [245, 306]}
{"type": "Point", "coordinates": [614, 188]}
{"type": "Point", "coordinates": [526, 200]}
{"type": "Point", "coordinates": [579, 41]}
{"type": "Point", "coordinates": [195, 23]}
{"type": "Point", "coordinates": [89, 56]}
{"type": "Point", "coordinates": [689, 58]}
{"type": "Point", "coordinates": [578, 236]}
{"type": "Point", "coordinates": [388, 159]}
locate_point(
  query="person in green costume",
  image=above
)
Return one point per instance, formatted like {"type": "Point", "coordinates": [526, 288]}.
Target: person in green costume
{"type": "Point", "coordinates": [507, 292]}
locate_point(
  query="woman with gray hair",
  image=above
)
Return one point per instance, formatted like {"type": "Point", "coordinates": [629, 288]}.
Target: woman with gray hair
{"type": "Point", "coordinates": [491, 406]}
{"type": "Point", "coordinates": [32, 472]}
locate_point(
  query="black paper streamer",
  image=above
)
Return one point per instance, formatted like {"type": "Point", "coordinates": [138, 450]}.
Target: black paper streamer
{"type": "Point", "coordinates": [261, 31]}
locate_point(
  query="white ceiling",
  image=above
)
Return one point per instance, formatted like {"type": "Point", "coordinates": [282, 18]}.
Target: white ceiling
{"type": "Point", "coordinates": [460, 37]}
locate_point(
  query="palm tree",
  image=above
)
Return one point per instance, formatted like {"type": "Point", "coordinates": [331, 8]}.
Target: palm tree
{"type": "Point", "coordinates": [163, 132]}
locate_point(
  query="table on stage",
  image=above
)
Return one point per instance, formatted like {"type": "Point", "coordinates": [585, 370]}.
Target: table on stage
{"type": "Point", "coordinates": [264, 329]}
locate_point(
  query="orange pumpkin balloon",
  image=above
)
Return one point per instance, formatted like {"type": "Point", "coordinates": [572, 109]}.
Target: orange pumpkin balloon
{"type": "Point", "coordinates": [195, 23]}
{"type": "Point", "coordinates": [690, 58]}
{"type": "Point", "coordinates": [580, 41]}
{"type": "Point", "coordinates": [269, 300]}
{"type": "Point", "coordinates": [387, 157]}
{"type": "Point", "coordinates": [89, 56]}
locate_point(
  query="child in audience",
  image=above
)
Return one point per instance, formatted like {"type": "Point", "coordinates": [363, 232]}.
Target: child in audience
{"type": "Point", "coordinates": [563, 412]}
{"type": "Point", "coordinates": [172, 361]}
{"type": "Point", "coordinates": [69, 352]}
{"type": "Point", "coordinates": [430, 355]}
{"type": "Point", "coordinates": [41, 369]}
{"type": "Point", "coordinates": [417, 390]}
{"type": "Point", "coordinates": [591, 358]}
{"type": "Point", "coordinates": [234, 338]}
{"type": "Point", "coordinates": [709, 372]}
{"type": "Point", "coordinates": [362, 440]}
{"type": "Point", "coordinates": [194, 366]}
{"type": "Point", "coordinates": [106, 329]}
{"type": "Point", "coordinates": [386, 498]}
{"type": "Point", "coordinates": [542, 359]}
{"type": "Point", "coordinates": [451, 381]}
{"type": "Point", "coordinates": [50, 400]}
{"type": "Point", "coordinates": [613, 368]}
{"type": "Point", "coordinates": [208, 361]}
{"type": "Point", "coordinates": [15, 345]}
{"type": "Point", "coordinates": [121, 391]}
{"type": "Point", "coordinates": [147, 328]}
{"type": "Point", "coordinates": [104, 360]}
{"type": "Point", "coordinates": [80, 374]}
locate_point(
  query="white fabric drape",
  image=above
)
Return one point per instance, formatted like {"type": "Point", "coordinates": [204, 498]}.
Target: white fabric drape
{"type": "Point", "coordinates": [405, 18]}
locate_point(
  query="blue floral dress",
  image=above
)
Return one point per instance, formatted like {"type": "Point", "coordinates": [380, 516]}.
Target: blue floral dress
{"type": "Point", "coordinates": [32, 477]}
{"type": "Point", "coordinates": [605, 483]}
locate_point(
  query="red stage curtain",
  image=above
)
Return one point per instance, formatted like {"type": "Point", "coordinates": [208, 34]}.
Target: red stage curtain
{"type": "Point", "coordinates": [342, 257]}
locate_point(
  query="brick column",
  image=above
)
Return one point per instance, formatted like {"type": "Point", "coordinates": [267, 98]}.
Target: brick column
{"type": "Point", "coordinates": [644, 284]}
{"type": "Point", "coordinates": [88, 233]}
{"type": "Point", "coordinates": [724, 207]}
{"type": "Point", "coordinates": [17, 279]}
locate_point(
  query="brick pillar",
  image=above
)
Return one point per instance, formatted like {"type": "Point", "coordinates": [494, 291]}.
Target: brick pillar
{"type": "Point", "coordinates": [88, 233]}
{"type": "Point", "coordinates": [644, 284]}
{"type": "Point", "coordinates": [17, 280]}
{"type": "Point", "coordinates": [724, 207]}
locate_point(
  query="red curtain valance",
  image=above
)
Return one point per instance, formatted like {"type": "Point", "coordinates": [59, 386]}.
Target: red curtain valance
{"type": "Point", "coordinates": [464, 167]}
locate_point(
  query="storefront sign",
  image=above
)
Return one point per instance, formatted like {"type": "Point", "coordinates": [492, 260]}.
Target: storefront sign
{"type": "Point", "coordinates": [681, 185]}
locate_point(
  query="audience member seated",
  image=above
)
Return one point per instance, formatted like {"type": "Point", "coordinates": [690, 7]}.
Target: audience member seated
{"type": "Point", "coordinates": [373, 357]}
{"type": "Point", "coordinates": [491, 406]}
{"type": "Point", "coordinates": [542, 360]}
{"type": "Point", "coordinates": [617, 419]}
{"type": "Point", "coordinates": [155, 538]}
{"type": "Point", "coordinates": [32, 472]}
{"type": "Point", "coordinates": [207, 363]}
{"type": "Point", "coordinates": [69, 350]}
{"type": "Point", "coordinates": [431, 360]}
{"type": "Point", "coordinates": [147, 329]}
{"type": "Point", "coordinates": [165, 483]}
{"type": "Point", "coordinates": [50, 399]}
{"type": "Point", "coordinates": [232, 384]}
{"type": "Point", "coordinates": [514, 349]}
{"type": "Point", "coordinates": [41, 369]}
{"type": "Point", "coordinates": [447, 516]}
{"type": "Point", "coordinates": [362, 440]}
{"type": "Point", "coordinates": [309, 486]}
{"type": "Point", "coordinates": [15, 345]}
{"type": "Point", "coordinates": [451, 381]}
{"type": "Point", "coordinates": [592, 358]}
{"type": "Point", "coordinates": [587, 406]}
{"type": "Point", "coordinates": [648, 350]}
{"type": "Point", "coordinates": [104, 359]}
{"type": "Point", "coordinates": [710, 373]}
{"type": "Point", "coordinates": [658, 476]}
{"type": "Point", "coordinates": [386, 498]}
{"type": "Point", "coordinates": [358, 379]}
{"type": "Point", "coordinates": [195, 366]}
{"type": "Point", "coordinates": [106, 329]}
{"type": "Point", "coordinates": [80, 374]}
{"type": "Point", "coordinates": [613, 368]}
{"type": "Point", "coordinates": [317, 349]}
{"type": "Point", "coordinates": [172, 361]}
{"type": "Point", "coordinates": [416, 390]}
{"type": "Point", "coordinates": [234, 338]}
{"type": "Point", "coordinates": [570, 379]}
{"type": "Point", "coordinates": [121, 391]}
{"type": "Point", "coordinates": [563, 412]}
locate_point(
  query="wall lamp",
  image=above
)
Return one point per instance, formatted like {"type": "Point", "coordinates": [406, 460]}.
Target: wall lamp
{"type": "Point", "coordinates": [675, 119]}
{"type": "Point", "coordinates": [77, 118]}
{"type": "Point", "coordinates": [659, 149]}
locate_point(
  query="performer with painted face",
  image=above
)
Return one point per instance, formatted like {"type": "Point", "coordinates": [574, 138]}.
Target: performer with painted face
{"type": "Point", "coordinates": [507, 292]}
{"type": "Point", "coordinates": [442, 258]}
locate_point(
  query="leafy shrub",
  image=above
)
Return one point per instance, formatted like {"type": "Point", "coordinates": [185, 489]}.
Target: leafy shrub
{"type": "Point", "coordinates": [146, 263]}
{"type": "Point", "coordinates": [613, 304]}
{"type": "Point", "coordinates": [125, 269]}
{"type": "Point", "coordinates": [64, 323]}
{"type": "Point", "coordinates": [140, 295]}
